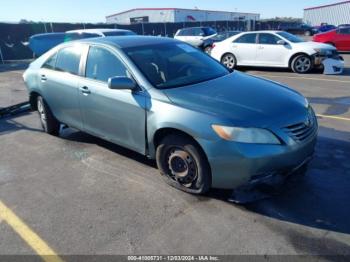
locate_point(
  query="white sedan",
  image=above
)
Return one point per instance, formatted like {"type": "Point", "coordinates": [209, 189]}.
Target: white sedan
{"type": "Point", "coordinates": [277, 49]}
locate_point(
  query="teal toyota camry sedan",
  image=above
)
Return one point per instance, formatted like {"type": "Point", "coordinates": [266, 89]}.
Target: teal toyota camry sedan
{"type": "Point", "coordinates": [206, 127]}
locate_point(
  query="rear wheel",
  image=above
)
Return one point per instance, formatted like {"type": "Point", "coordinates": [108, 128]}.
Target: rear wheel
{"type": "Point", "coordinates": [302, 64]}
{"type": "Point", "coordinates": [229, 60]}
{"type": "Point", "coordinates": [183, 165]}
{"type": "Point", "coordinates": [48, 121]}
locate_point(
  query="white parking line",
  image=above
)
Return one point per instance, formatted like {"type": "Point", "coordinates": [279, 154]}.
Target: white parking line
{"type": "Point", "coordinates": [305, 78]}
{"type": "Point", "coordinates": [334, 117]}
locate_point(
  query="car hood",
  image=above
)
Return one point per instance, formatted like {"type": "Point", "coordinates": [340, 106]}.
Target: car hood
{"type": "Point", "coordinates": [243, 100]}
{"type": "Point", "coordinates": [315, 45]}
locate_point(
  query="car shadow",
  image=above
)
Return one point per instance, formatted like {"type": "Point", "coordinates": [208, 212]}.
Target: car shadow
{"type": "Point", "coordinates": [79, 136]}
{"type": "Point", "coordinates": [319, 71]}
{"type": "Point", "coordinates": [320, 199]}
{"type": "Point", "coordinates": [13, 66]}
{"type": "Point", "coordinates": [336, 106]}
{"type": "Point", "coordinates": [9, 124]}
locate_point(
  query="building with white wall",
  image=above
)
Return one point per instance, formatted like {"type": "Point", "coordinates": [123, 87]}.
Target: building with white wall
{"type": "Point", "coordinates": [173, 15]}
{"type": "Point", "coordinates": [335, 14]}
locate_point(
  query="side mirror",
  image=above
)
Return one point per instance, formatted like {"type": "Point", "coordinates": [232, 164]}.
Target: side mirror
{"type": "Point", "coordinates": [281, 42]}
{"type": "Point", "coordinates": [121, 83]}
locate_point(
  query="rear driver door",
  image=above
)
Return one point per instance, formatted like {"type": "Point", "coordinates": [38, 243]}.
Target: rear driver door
{"type": "Point", "coordinates": [244, 48]}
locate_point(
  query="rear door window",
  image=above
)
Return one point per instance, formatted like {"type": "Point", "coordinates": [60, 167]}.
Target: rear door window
{"type": "Point", "coordinates": [68, 60]}
{"type": "Point", "coordinates": [51, 62]}
{"type": "Point", "coordinates": [246, 39]}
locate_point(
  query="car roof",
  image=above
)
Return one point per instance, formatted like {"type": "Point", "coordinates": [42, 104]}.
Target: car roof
{"type": "Point", "coordinates": [263, 31]}
{"type": "Point", "coordinates": [99, 31]}
{"type": "Point", "coordinates": [130, 41]}
{"type": "Point", "coordinates": [195, 27]}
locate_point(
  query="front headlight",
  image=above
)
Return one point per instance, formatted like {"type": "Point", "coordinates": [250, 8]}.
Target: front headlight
{"type": "Point", "coordinates": [246, 135]}
{"type": "Point", "coordinates": [324, 52]}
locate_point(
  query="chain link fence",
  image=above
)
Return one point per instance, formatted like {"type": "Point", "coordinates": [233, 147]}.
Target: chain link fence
{"type": "Point", "coordinates": [14, 38]}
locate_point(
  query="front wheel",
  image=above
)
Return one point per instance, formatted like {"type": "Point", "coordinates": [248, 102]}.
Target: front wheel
{"type": "Point", "coordinates": [302, 64]}
{"type": "Point", "coordinates": [48, 121]}
{"type": "Point", "coordinates": [183, 165]}
{"type": "Point", "coordinates": [229, 60]}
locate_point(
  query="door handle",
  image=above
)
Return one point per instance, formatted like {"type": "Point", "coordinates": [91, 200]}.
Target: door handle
{"type": "Point", "coordinates": [85, 90]}
{"type": "Point", "coordinates": [43, 78]}
{"type": "Point", "coordinates": [261, 47]}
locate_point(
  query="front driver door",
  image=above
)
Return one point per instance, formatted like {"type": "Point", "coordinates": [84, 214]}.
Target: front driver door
{"type": "Point", "coordinates": [115, 115]}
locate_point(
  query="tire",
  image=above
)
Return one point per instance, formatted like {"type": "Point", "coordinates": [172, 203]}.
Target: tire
{"type": "Point", "coordinates": [302, 64]}
{"type": "Point", "coordinates": [48, 122]}
{"type": "Point", "coordinates": [183, 165]}
{"type": "Point", "coordinates": [229, 60]}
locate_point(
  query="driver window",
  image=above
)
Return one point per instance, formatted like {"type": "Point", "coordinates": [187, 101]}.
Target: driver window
{"type": "Point", "coordinates": [102, 64]}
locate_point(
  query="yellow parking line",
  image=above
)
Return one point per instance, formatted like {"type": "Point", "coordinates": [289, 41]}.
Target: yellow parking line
{"type": "Point", "coordinates": [306, 78]}
{"type": "Point", "coordinates": [334, 117]}
{"type": "Point", "coordinates": [30, 237]}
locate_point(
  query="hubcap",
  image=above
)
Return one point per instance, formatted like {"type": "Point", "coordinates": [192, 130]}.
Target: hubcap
{"type": "Point", "coordinates": [229, 61]}
{"type": "Point", "coordinates": [182, 167]}
{"type": "Point", "coordinates": [303, 64]}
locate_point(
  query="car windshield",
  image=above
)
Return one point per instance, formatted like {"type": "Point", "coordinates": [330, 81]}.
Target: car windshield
{"type": "Point", "coordinates": [175, 64]}
{"type": "Point", "coordinates": [120, 33]}
{"type": "Point", "coordinates": [290, 37]}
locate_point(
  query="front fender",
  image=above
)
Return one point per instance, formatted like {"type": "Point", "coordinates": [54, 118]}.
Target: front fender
{"type": "Point", "coordinates": [167, 115]}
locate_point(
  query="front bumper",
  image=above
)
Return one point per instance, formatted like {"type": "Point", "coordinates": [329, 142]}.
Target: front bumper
{"type": "Point", "coordinates": [236, 164]}
{"type": "Point", "coordinates": [332, 65]}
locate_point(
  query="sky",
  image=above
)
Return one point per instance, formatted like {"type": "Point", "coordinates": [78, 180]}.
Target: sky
{"type": "Point", "coordinates": [96, 10]}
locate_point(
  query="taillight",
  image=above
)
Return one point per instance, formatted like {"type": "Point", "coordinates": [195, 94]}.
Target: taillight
{"type": "Point", "coordinates": [213, 45]}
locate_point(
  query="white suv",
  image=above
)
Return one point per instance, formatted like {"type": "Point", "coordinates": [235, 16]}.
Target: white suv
{"type": "Point", "coordinates": [276, 49]}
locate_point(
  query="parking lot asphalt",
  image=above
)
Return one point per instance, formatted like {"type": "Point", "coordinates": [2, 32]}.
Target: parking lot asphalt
{"type": "Point", "coordinates": [82, 195]}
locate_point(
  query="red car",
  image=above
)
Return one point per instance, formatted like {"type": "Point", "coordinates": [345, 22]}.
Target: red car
{"type": "Point", "coordinates": [340, 38]}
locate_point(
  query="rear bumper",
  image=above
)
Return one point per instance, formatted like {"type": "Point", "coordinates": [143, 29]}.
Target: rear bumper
{"type": "Point", "coordinates": [236, 164]}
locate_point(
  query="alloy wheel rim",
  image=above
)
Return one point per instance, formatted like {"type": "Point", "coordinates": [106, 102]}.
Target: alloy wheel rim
{"type": "Point", "coordinates": [182, 167]}
{"type": "Point", "coordinates": [229, 61]}
{"type": "Point", "coordinates": [42, 114]}
{"type": "Point", "coordinates": [303, 64]}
